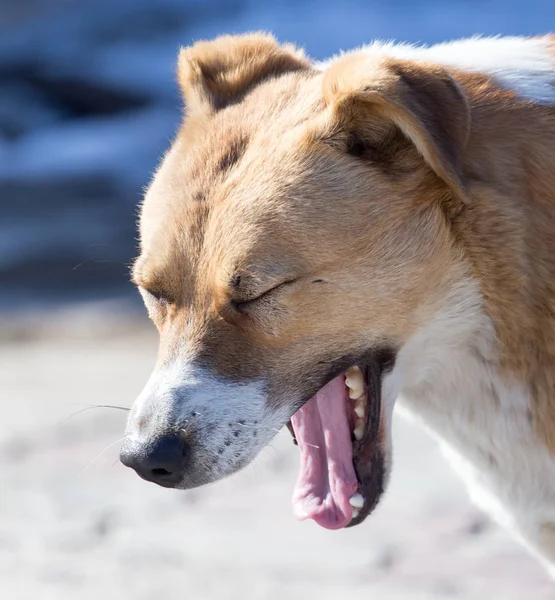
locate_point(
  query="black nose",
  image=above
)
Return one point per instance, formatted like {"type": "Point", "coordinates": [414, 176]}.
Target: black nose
{"type": "Point", "coordinates": [161, 461]}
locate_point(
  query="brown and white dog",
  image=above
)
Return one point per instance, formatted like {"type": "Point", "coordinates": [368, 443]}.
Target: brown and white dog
{"type": "Point", "coordinates": [325, 241]}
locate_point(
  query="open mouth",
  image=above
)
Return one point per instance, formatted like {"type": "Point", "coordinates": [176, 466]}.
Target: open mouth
{"type": "Point", "coordinates": [341, 434]}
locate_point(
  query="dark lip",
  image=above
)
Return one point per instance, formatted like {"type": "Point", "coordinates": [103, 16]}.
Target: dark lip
{"type": "Point", "coordinates": [368, 458]}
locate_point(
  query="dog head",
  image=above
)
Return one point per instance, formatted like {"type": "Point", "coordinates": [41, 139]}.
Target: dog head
{"type": "Point", "coordinates": [295, 232]}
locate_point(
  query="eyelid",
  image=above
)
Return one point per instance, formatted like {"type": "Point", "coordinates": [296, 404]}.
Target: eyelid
{"type": "Point", "coordinates": [157, 295]}
{"type": "Point", "coordinates": [241, 302]}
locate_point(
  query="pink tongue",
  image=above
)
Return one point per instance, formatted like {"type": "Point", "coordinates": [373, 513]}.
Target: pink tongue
{"type": "Point", "coordinates": [327, 477]}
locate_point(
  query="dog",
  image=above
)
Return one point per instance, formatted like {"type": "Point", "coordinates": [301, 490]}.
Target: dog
{"type": "Point", "coordinates": [325, 241]}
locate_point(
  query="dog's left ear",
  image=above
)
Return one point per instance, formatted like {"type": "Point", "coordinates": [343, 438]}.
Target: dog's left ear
{"type": "Point", "coordinates": [423, 102]}
{"type": "Point", "coordinates": [219, 72]}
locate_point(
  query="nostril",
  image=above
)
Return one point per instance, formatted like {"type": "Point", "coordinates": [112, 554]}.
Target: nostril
{"type": "Point", "coordinates": [161, 460]}
{"type": "Point", "coordinates": [160, 472]}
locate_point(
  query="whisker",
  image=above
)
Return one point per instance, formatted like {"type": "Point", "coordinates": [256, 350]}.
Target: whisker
{"type": "Point", "coordinates": [186, 422]}
{"type": "Point", "coordinates": [254, 468]}
{"type": "Point", "coordinates": [82, 263]}
{"type": "Point", "coordinates": [100, 454]}
{"type": "Point", "coordinates": [90, 407]}
{"type": "Point", "coordinates": [101, 405]}
{"type": "Point", "coordinates": [270, 445]}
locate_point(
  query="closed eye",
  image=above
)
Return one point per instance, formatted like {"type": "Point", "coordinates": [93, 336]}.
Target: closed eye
{"type": "Point", "coordinates": [157, 295]}
{"type": "Point", "coordinates": [241, 305]}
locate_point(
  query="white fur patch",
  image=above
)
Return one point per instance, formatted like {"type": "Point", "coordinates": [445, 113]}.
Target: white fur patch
{"type": "Point", "coordinates": [524, 65]}
{"type": "Point", "coordinates": [230, 421]}
{"type": "Point", "coordinates": [449, 383]}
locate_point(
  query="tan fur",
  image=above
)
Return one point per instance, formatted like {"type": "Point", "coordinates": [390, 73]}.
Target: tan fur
{"type": "Point", "coordinates": [505, 233]}
{"type": "Point", "coordinates": [301, 214]}
{"type": "Point", "coordinates": [425, 103]}
{"type": "Point", "coordinates": [212, 74]}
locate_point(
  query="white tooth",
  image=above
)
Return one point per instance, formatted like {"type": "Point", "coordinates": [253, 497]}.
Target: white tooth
{"type": "Point", "coordinates": [359, 430]}
{"type": "Point", "coordinates": [355, 513]}
{"type": "Point", "coordinates": [356, 391]}
{"type": "Point", "coordinates": [356, 501]}
{"type": "Point", "coordinates": [355, 382]}
{"type": "Point", "coordinates": [353, 377]}
{"type": "Point", "coordinates": [359, 410]}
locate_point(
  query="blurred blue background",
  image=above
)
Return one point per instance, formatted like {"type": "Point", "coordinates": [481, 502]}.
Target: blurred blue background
{"type": "Point", "coordinates": [88, 102]}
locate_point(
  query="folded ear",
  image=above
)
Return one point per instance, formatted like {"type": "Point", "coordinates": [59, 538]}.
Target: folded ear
{"type": "Point", "coordinates": [217, 73]}
{"type": "Point", "coordinates": [423, 102]}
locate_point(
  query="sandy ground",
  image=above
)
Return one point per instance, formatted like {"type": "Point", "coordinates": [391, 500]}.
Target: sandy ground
{"type": "Point", "coordinates": [75, 524]}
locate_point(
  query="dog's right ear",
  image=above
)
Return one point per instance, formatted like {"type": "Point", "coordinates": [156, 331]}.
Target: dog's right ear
{"type": "Point", "coordinates": [217, 73]}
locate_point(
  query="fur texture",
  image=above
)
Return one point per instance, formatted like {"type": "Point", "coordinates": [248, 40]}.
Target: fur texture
{"type": "Point", "coordinates": [395, 195]}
